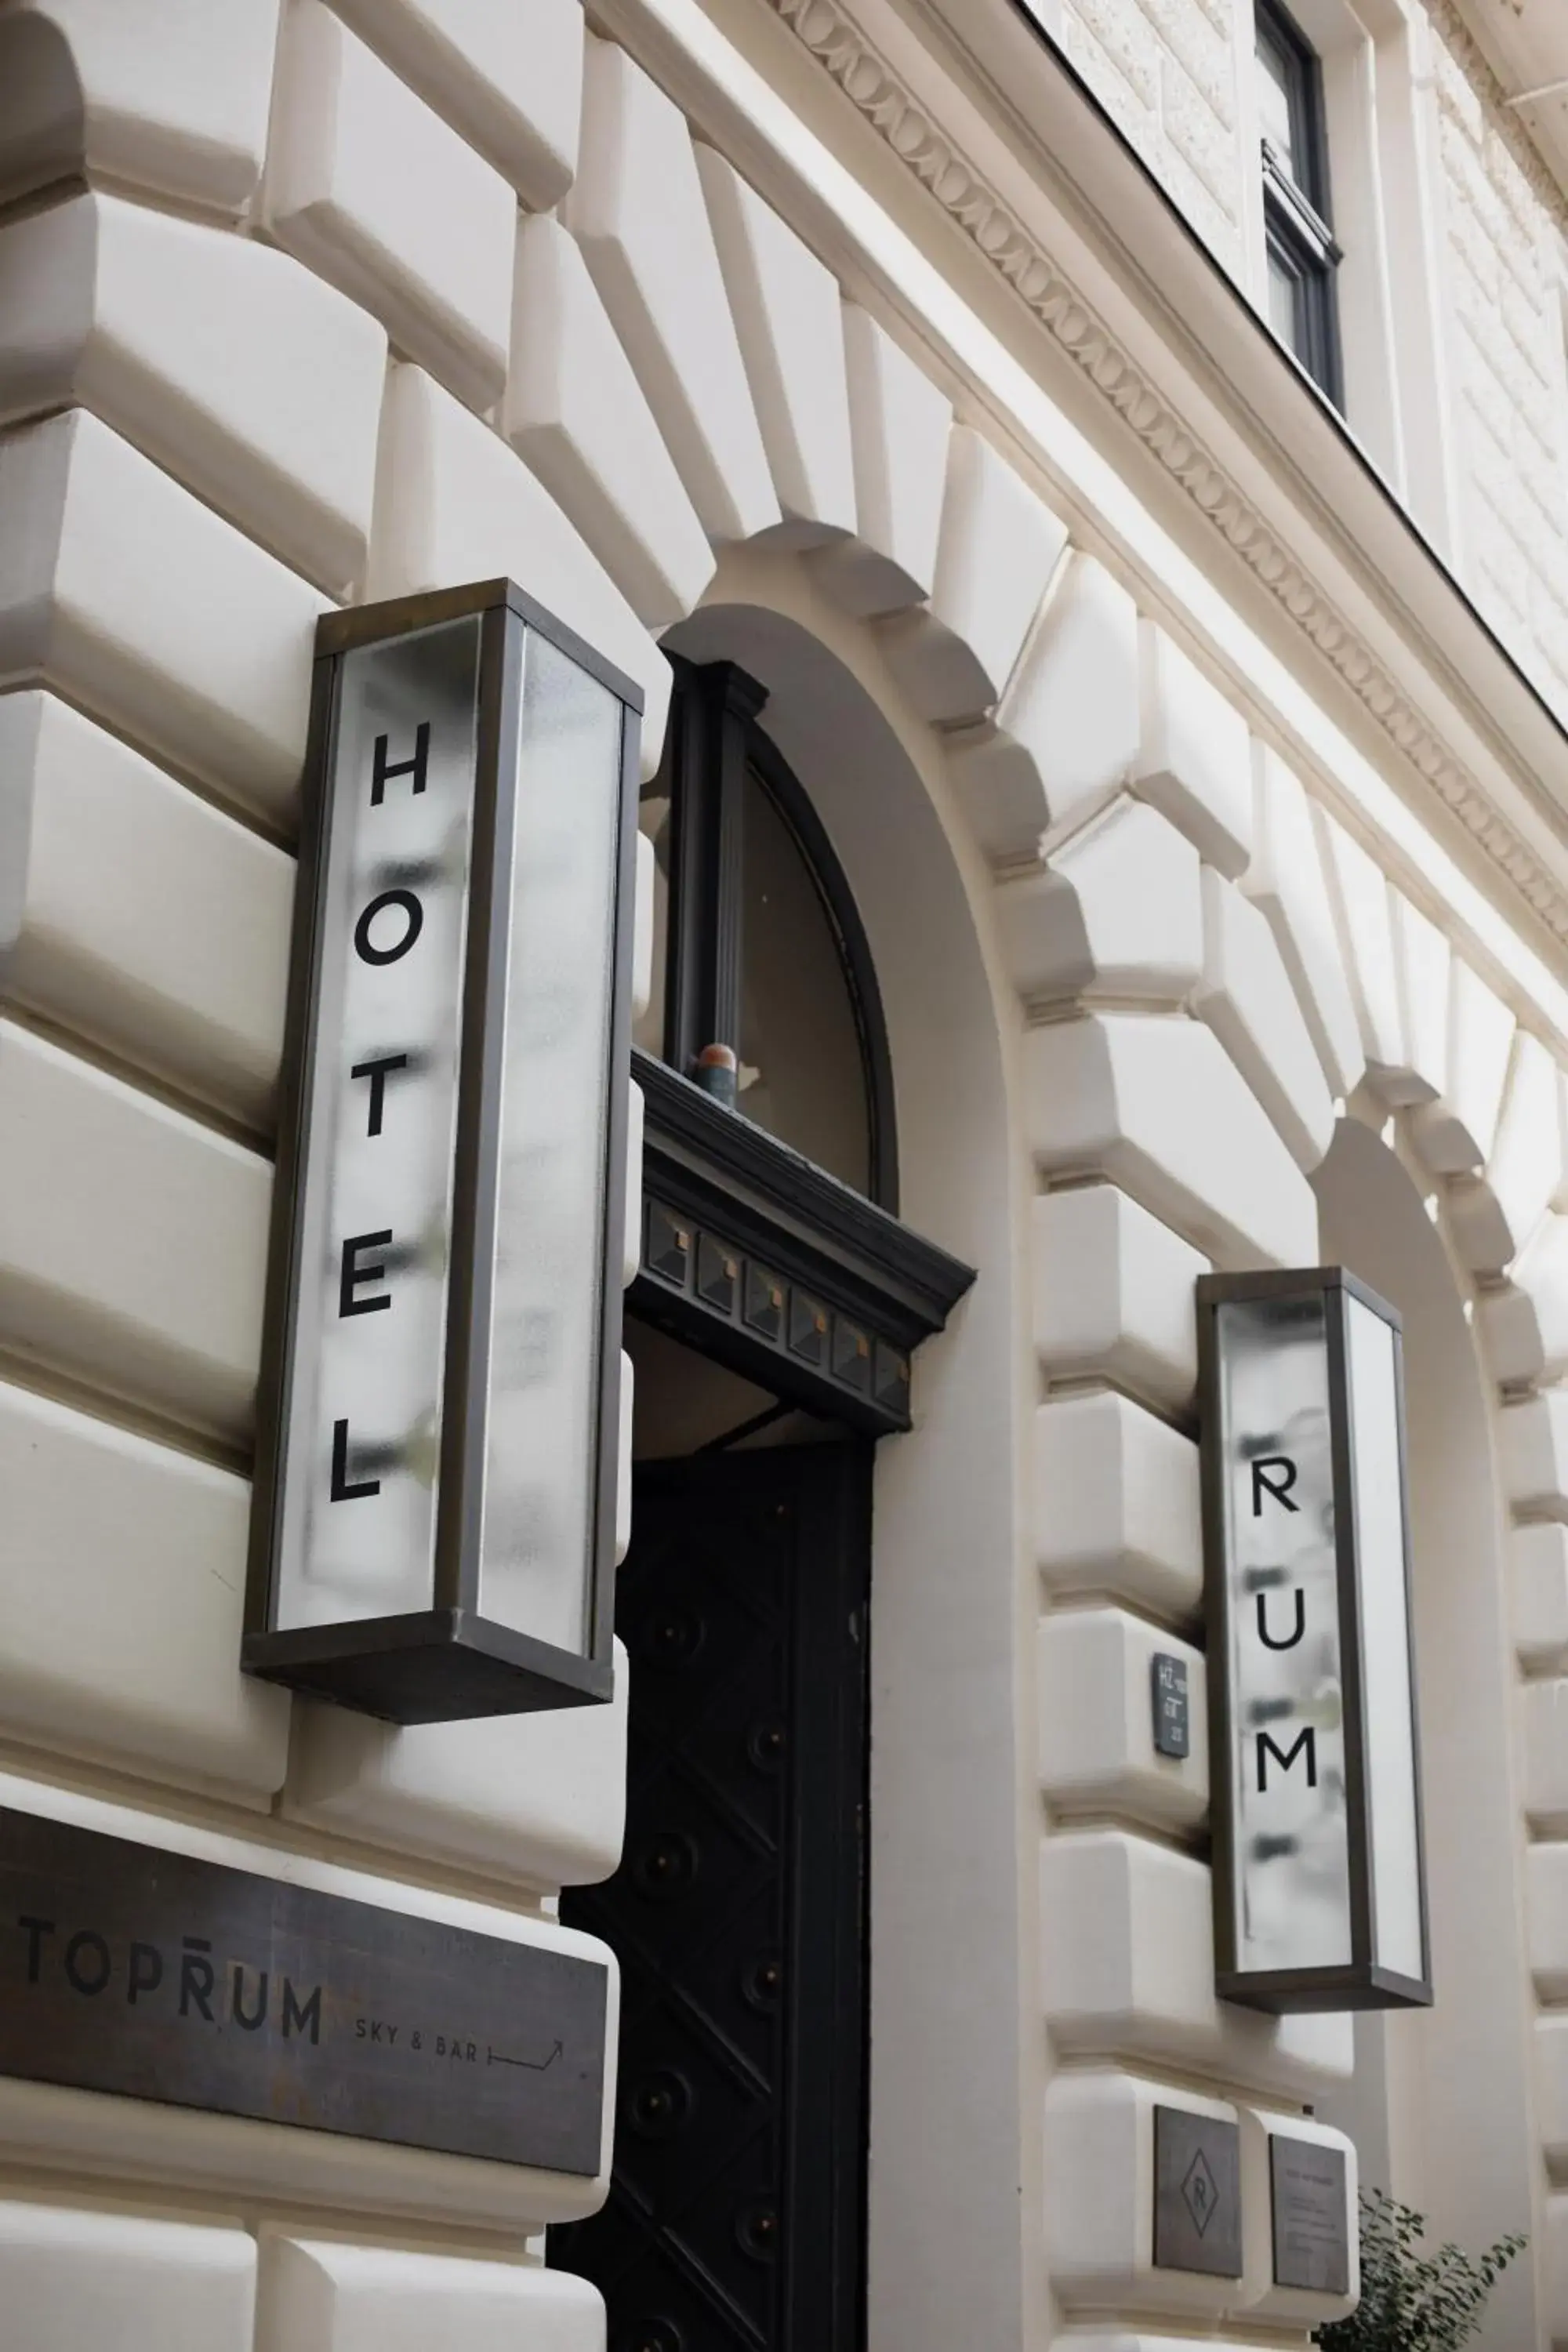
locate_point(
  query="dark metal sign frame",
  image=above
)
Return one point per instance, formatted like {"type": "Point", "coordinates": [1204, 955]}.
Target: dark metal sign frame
{"type": "Point", "coordinates": [446, 1661]}
{"type": "Point", "coordinates": [1363, 1982]}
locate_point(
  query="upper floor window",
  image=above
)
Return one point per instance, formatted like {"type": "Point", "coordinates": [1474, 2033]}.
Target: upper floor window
{"type": "Point", "coordinates": [1302, 255]}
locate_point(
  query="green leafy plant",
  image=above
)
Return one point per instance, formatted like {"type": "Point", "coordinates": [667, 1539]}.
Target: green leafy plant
{"type": "Point", "coordinates": [1412, 2301]}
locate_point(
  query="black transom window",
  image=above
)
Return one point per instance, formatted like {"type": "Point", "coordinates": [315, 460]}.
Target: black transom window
{"type": "Point", "coordinates": [1301, 252]}
{"type": "Point", "coordinates": [764, 991]}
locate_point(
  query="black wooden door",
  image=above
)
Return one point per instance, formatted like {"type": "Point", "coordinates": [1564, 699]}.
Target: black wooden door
{"type": "Point", "coordinates": [734, 2220]}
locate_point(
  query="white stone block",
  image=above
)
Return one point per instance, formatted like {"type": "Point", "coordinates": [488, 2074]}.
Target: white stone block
{"type": "Point", "coordinates": [371, 188]}
{"type": "Point", "coordinates": [1480, 1038]}
{"type": "Point", "coordinates": [176, 104]}
{"type": "Point", "coordinates": [241, 374]}
{"type": "Point", "coordinates": [638, 212]}
{"type": "Point", "coordinates": [1538, 1587]}
{"type": "Point", "coordinates": [1000, 544]}
{"type": "Point", "coordinates": [123, 1567]}
{"type": "Point", "coordinates": [1286, 880]}
{"type": "Point", "coordinates": [332, 2297]}
{"type": "Point", "coordinates": [1544, 1713]}
{"type": "Point", "coordinates": [1532, 1449]}
{"type": "Point", "coordinates": [1156, 1105]}
{"type": "Point", "coordinates": [535, 1800]}
{"type": "Point", "coordinates": [1246, 997]}
{"type": "Point", "coordinates": [1524, 1172]}
{"type": "Point", "coordinates": [1546, 1915]}
{"type": "Point", "coordinates": [1096, 1708]}
{"type": "Point", "coordinates": [1117, 914]}
{"type": "Point", "coordinates": [1194, 760]}
{"type": "Point", "coordinates": [575, 414]}
{"type": "Point", "coordinates": [510, 79]}
{"type": "Point", "coordinates": [1100, 2197]}
{"type": "Point", "coordinates": [631, 1243]}
{"type": "Point", "coordinates": [1116, 1505]}
{"type": "Point", "coordinates": [72, 2278]}
{"type": "Point", "coordinates": [1127, 1965]}
{"type": "Point", "coordinates": [1526, 1321]}
{"type": "Point", "coordinates": [455, 503]}
{"type": "Point", "coordinates": [898, 427]}
{"type": "Point", "coordinates": [132, 1242]}
{"type": "Point", "coordinates": [134, 600]}
{"type": "Point", "coordinates": [1483, 1239]}
{"type": "Point", "coordinates": [1113, 1294]}
{"type": "Point", "coordinates": [1068, 727]}
{"type": "Point", "coordinates": [136, 912]}
{"type": "Point", "coordinates": [1424, 967]}
{"type": "Point", "coordinates": [1290, 2306]}
{"type": "Point", "coordinates": [789, 317]}
{"type": "Point", "coordinates": [1359, 893]}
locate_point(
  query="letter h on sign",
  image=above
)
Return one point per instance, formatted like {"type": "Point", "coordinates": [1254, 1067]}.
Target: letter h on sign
{"type": "Point", "coordinates": [435, 1505]}
{"type": "Point", "coordinates": [1319, 1877]}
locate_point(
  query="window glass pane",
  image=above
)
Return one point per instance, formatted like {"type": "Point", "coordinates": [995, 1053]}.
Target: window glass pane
{"type": "Point", "coordinates": [1285, 302]}
{"type": "Point", "coordinates": [1275, 86]}
{"type": "Point", "coordinates": [654, 824]}
{"type": "Point", "coordinates": [802, 1076]}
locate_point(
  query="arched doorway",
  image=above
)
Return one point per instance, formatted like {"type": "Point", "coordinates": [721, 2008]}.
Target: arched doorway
{"type": "Point", "coordinates": [1441, 2106]}
{"type": "Point", "coordinates": [772, 1325]}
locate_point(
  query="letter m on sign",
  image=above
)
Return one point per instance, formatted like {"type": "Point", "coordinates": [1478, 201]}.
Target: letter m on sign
{"type": "Point", "coordinates": [1305, 1740]}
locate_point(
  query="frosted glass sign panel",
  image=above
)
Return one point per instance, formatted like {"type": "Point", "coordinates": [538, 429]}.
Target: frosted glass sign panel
{"type": "Point", "coordinates": [548, 1241]}
{"type": "Point", "coordinates": [438, 1445]}
{"type": "Point", "coordinates": [1288, 1754]}
{"type": "Point", "coordinates": [1319, 1891]}
{"type": "Point", "coordinates": [1372, 1350]}
{"type": "Point", "coordinates": [376, 1211]}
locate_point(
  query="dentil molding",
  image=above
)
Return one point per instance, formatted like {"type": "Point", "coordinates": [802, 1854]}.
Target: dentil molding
{"type": "Point", "coordinates": [885, 101]}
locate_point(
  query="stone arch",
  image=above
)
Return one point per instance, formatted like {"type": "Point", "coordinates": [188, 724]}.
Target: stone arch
{"type": "Point", "coordinates": [950, 2089]}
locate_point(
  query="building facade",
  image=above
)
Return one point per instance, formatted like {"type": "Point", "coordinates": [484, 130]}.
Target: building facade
{"type": "Point", "coordinates": [1082, 489]}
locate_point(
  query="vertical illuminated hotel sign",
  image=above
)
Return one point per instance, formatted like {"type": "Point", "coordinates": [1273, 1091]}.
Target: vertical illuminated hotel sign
{"type": "Point", "coordinates": [1320, 1890]}
{"type": "Point", "coordinates": [441, 1408]}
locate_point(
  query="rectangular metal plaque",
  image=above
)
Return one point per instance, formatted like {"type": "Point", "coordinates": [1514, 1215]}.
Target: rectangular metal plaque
{"type": "Point", "coordinates": [126, 1968]}
{"type": "Point", "coordinates": [1168, 1677]}
{"type": "Point", "coordinates": [1197, 2193]}
{"type": "Point", "coordinates": [1311, 2215]}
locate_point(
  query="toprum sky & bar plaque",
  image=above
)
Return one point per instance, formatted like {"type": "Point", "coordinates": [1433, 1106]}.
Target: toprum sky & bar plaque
{"type": "Point", "coordinates": [126, 1968]}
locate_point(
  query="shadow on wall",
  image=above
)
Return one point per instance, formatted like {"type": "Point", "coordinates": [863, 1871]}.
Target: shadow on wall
{"type": "Point", "coordinates": [1440, 2108]}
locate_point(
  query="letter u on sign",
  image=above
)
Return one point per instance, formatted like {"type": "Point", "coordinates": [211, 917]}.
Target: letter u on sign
{"type": "Point", "coordinates": [1320, 1896]}
{"type": "Point", "coordinates": [433, 1534]}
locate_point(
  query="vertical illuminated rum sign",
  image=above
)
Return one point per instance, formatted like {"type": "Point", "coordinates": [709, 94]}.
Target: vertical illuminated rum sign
{"type": "Point", "coordinates": [441, 1417]}
{"type": "Point", "coordinates": [1320, 1891]}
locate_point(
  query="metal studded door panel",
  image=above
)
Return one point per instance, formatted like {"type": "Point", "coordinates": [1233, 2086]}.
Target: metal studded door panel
{"type": "Point", "coordinates": [734, 2218]}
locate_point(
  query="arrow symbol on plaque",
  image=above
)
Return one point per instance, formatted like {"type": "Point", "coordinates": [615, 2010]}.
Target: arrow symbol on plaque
{"type": "Point", "coordinates": [533, 2065]}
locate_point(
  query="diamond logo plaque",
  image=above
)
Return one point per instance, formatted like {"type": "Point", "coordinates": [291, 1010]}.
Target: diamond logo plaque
{"type": "Point", "coordinates": [1197, 2193]}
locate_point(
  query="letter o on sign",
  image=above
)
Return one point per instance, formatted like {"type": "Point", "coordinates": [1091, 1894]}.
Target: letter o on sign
{"type": "Point", "coordinates": [413, 915]}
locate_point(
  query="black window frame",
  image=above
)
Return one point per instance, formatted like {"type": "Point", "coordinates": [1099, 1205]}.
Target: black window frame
{"type": "Point", "coordinates": [1296, 212]}
{"type": "Point", "coordinates": [714, 740]}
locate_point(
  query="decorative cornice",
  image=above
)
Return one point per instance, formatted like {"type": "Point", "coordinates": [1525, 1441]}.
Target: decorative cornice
{"type": "Point", "coordinates": [887, 103]}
